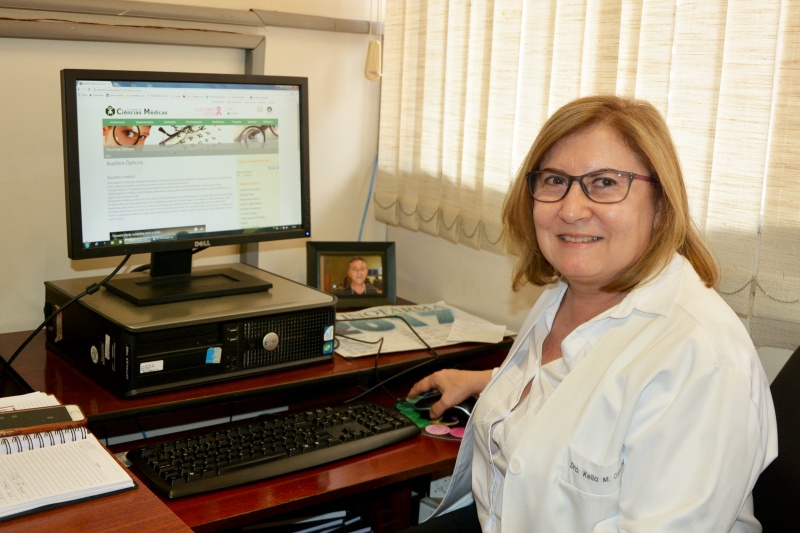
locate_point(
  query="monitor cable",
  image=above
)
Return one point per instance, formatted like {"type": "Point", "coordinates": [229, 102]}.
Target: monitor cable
{"type": "Point", "coordinates": [91, 289]}
{"type": "Point", "coordinates": [369, 197]}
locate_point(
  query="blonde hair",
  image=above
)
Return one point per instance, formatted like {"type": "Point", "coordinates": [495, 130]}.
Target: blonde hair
{"type": "Point", "coordinates": [645, 132]}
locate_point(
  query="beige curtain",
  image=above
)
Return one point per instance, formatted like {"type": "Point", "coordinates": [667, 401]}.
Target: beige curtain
{"type": "Point", "coordinates": [468, 83]}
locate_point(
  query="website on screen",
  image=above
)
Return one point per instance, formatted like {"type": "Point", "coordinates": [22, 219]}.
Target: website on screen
{"type": "Point", "coordinates": [166, 161]}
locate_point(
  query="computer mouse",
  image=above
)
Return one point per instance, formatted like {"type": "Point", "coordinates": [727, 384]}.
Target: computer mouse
{"type": "Point", "coordinates": [464, 407]}
{"type": "Point", "coordinates": [460, 412]}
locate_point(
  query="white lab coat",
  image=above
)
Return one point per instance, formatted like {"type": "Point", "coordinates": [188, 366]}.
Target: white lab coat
{"type": "Point", "coordinates": [663, 425]}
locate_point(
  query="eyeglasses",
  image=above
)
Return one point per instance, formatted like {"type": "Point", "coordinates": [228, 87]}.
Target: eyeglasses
{"type": "Point", "coordinates": [183, 135]}
{"type": "Point", "coordinates": [256, 136]}
{"type": "Point", "coordinates": [605, 186]}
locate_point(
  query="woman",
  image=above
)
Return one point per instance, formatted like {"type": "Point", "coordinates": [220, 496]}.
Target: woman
{"type": "Point", "coordinates": [633, 398]}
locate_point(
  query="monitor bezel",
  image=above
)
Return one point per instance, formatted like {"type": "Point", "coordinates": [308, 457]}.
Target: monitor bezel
{"type": "Point", "coordinates": [72, 173]}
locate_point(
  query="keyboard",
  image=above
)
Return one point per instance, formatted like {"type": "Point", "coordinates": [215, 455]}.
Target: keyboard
{"type": "Point", "coordinates": [269, 446]}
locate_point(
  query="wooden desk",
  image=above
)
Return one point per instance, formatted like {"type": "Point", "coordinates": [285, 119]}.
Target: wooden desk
{"type": "Point", "coordinates": [43, 370]}
{"type": "Point", "coordinates": [379, 484]}
{"type": "Point", "coordinates": [133, 511]}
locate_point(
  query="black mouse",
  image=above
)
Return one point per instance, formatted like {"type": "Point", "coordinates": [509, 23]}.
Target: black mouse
{"type": "Point", "coordinates": [461, 412]}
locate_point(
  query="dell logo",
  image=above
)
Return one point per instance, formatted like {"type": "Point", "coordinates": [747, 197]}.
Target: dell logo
{"type": "Point", "coordinates": [201, 244]}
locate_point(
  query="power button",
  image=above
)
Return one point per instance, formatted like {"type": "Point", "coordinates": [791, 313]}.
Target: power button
{"type": "Point", "coordinates": [270, 341]}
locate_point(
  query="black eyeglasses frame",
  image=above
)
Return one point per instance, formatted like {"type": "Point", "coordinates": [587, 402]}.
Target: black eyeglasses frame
{"type": "Point", "coordinates": [531, 175]}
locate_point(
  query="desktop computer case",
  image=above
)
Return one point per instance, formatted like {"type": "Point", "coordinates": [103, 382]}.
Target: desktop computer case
{"type": "Point", "coordinates": [139, 350]}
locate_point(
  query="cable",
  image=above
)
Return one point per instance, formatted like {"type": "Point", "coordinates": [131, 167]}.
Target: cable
{"type": "Point", "coordinates": [369, 197]}
{"type": "Point", "coordinates": [382, 382]}
{"type": "Point", "coordinates": [91, 289]}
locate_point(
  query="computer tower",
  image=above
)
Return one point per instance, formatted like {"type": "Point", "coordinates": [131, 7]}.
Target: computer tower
{"type": "Point", "coordinates": [133, 350]}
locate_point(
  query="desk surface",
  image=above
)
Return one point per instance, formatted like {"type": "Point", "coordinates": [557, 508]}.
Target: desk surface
{"type": "Point", "coordinates": [115, 513]}
{"type": "Point", "coordinates": [43, 370]}
{"type": "Point", "coordinates": [376, 471]}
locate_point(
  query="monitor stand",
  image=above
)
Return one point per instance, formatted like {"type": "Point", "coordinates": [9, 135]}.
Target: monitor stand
{"type": "Point", "coordinates": [171, 280]}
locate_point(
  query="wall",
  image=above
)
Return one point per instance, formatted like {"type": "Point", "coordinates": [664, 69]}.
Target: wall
{"type": "Point", "coordinates": [344, 113]}
{"type": "Point", "coordinates": [479, 282]}
{"type": "Point", "coordinates": [344, 109]}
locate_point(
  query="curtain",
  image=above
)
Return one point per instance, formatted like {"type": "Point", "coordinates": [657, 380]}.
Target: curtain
{"type": "Point", "coordinates": [468, 83]}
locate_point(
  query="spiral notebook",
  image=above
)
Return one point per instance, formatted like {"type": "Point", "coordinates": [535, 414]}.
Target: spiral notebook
{"type": "Point", "coordinates": [46, 469]}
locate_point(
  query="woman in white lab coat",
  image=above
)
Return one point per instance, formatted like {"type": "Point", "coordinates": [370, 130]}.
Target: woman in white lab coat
{"type": "Point", "coordinates": [633, 398]}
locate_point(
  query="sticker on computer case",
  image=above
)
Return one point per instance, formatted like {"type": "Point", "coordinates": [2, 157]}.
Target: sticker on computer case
{"type": "Point", "coordinates": [214, 355]}
{"type": "Point", "coordinates": [327, 348]}
{"type": "Point", "coordinates": [328, 335]}
{"type": "Point", "coordinates": [151, 366]}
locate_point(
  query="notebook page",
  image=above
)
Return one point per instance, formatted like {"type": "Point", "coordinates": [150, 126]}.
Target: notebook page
{"type": "Point", "coordinates": [57, 474]}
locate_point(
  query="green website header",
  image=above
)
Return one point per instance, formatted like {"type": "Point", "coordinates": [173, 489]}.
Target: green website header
{"type": "Point", "coordinates": [189, 122]}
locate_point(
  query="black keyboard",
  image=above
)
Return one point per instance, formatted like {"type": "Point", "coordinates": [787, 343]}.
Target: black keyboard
{"type": "Point", "coordinates": [269, 447]}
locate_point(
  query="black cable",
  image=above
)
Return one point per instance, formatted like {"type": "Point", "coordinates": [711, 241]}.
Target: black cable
{"type": "Point", "coordinates": [382, 382]}
{"type": "Point", "coordinates": [91, 289]}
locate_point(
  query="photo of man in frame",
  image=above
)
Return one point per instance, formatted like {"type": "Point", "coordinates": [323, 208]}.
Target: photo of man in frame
{"type": "Point", "coordinates": [357, 281]}
{"type": "Point", "coordinates": [359, 275]}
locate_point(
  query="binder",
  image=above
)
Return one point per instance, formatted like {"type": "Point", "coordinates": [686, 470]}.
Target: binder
{"type": "Point", "coordinates": [42, 469]}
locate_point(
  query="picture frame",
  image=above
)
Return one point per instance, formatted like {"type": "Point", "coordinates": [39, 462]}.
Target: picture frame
{"type": "Point", "coordinates": [328, 269]}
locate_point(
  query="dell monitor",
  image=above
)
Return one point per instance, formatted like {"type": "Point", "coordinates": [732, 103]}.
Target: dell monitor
{"type": "Point", "coordinates": [167, 163]}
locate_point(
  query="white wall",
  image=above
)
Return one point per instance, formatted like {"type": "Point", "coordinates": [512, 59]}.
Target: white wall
{"type": "Point", "coordinates": [479, 282]}
{"type": "Point", "coordinates": [344, 109]}
{"type": "Point", "coordinates": [344, 113]}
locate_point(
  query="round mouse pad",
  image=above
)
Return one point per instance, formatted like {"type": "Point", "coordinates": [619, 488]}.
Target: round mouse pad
{"type": "Point", "coordinates": [457, 432]}
{"type": "Point", "coordinates": [437, 429]}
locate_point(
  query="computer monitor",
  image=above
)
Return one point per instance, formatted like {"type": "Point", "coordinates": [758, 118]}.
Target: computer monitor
{"type": "Point", "coordinates": [166, 163]}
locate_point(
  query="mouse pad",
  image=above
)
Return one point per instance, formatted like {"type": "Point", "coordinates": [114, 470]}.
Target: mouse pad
{"type": "Point", "coordinates": [448, 426]}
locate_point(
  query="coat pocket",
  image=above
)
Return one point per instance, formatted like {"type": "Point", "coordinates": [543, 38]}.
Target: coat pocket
{"type": "Point", "coordinates": [590, 477]}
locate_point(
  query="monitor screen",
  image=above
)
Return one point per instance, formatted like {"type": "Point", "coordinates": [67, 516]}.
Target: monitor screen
{"type": "Point", "coordinates": [166, 163]}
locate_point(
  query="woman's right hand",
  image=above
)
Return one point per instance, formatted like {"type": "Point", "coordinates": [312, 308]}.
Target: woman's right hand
{"type": "Point", "coordinates": [455, 386]}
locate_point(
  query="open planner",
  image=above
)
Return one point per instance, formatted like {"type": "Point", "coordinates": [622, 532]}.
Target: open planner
{"type": "Point", "coordinates": [44, 469]}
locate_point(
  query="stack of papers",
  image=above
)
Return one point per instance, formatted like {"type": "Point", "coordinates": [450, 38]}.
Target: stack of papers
{"type": "Point", "coordinates": [28, 401]}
